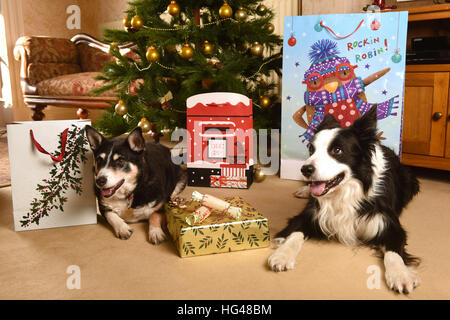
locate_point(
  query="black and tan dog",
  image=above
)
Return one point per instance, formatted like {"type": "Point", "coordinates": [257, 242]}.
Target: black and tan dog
{"type": "Point", "coordinates": [133, 174]}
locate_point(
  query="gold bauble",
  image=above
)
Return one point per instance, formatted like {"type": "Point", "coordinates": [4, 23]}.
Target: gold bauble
{"type": "Point", "coordinates": [136, 22]}
{"type": "Point", "coordinates": [120, 108]}
{"type": "Point", "coordinates": [270, 28]}
{"type": "Point", "coordinates": [113, 44]}
{"type": "Point", "coordinates": [264, 101]}
{"type": "Point", "coordinates": [259, 175]}
{"type": "Point", "coordinates": [145, 125]}
{"type": "Point", "coordinates": [240, 14]}
{"type": "Point", "coordinates": [207, 48]}
{"type": "Point", "coordinates": [187, 52]}
{"type": "Point", "coordinates": [152, 54]}
{"type": "Point", "coordinates": [257, 49]}
{"type": "Point", "coordinates": [225, 11]}
{"type": "Point", "coordinates": [261, 10]}
{"type": "Point", "coordinates": [207, 83]}
{"type": "Point", "coordinates": [126, 22]}
{"type": "Point", "coordinates": [173, 8]}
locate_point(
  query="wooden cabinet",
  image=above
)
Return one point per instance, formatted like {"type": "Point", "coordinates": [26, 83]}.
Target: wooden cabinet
{"type": "Point", "coordinates": [426, 114]}
{"type": "Point", "coordinates": [426, 117]}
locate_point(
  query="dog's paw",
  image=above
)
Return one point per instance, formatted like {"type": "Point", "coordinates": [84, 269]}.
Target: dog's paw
{"type": "Point", "coordinates": [156, 235]}
{"type": "Point", "coordinates": [302, 192]}
{"type": "Point", "coordinates": [401, 279]}
{"type": "Point", "coordinates": [281, 260]}
{"type": "Point", "coordinates": [124, 231]}
{"type": "Point", "coordinates": [275, 243]}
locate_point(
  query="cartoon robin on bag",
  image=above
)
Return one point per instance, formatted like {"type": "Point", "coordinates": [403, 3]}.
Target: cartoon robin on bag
{"type": "Point", "coordinates": [333, 88]}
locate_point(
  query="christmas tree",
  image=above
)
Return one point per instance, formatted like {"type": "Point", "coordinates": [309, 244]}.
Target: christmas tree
{"type": "Point", "coordinates": [187, 47]}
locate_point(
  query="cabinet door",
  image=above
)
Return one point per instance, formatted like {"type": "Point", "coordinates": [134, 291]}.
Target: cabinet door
{"type": "Point", "coordinates": [447, 147]}
{"type": "Point", "coordinates": [424, 117]}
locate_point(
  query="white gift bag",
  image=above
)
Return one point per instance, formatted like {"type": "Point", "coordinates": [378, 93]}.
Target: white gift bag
{"type": "Point", "coordinates": [51, 174]}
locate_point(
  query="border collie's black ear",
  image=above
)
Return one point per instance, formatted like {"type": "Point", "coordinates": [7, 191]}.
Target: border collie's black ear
{"type": "Point", "coordinates": [135, 140]}
{"type": "Point", "coordinates": [329, 122]}
{"type": "Point", "coordinates": [366, 125]}
{"type": "Point", "coordinates": [94, 137]}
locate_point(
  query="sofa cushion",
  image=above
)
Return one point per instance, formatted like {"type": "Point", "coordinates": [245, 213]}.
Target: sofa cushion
{"type": "Point", "coordinates": [92, 59]}
{"type": "Point", "coordinates": [44, 50]}
{"type": "Point", "coordinates": [38, 72]}
{"type": "Point", "coordinates": [76, 84]}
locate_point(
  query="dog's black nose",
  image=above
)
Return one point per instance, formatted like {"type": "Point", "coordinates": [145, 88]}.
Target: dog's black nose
{"type": "Point", "coordinates": [101, 181]}
{"type": "Point", "coordinates": [307, 170]}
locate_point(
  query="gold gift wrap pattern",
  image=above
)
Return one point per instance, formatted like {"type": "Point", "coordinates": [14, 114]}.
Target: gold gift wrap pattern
{"type": "Point", "coordinates": [219, 232]}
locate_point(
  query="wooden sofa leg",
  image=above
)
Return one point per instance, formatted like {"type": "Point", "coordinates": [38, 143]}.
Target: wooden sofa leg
{"type": "Point", "coordinates": [82, 113]}
{"type": "Point", "coordinates": [37, 115]}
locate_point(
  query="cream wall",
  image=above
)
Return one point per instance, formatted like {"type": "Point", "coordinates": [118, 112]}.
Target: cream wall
{"type": "Point", "coordinates": [12, 28]}
{"type": "Point", "coordinates": [47, 17]}
{"type": "Point", "coordinates": [332, 6]}
{"type": "Point", "coordinates": [112, 13]}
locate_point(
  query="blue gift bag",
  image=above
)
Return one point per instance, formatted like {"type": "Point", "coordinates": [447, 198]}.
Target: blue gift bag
{"type": "Point", "coordinates": [341, 64]}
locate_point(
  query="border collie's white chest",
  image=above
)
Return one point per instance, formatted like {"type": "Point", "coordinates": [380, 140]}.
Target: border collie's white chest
{"type": "Point", "coordinates": [338, 217]}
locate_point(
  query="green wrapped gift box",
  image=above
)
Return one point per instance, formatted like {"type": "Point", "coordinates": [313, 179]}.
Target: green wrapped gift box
{"type": "Point", "coordinates": [219, 232]}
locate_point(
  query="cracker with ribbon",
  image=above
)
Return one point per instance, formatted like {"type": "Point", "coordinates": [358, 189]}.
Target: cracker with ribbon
{"type": "Point", "coordinates": [210, 203]}
{"type": "Point", "coordinates": [217, 204]}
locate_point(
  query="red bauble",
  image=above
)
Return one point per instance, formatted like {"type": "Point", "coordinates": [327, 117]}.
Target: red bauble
{"type": "Point", "coordinates": [380, 3]}
{"type": "Point", "coordinates": [375, 25]}
{"type": "Point", "coordinates": [292, 41]}
{"type": "Point", "coordinates": [82, 113]}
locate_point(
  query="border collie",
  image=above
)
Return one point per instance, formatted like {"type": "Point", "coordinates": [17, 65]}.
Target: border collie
{"type": "Point", "coordinates": [358, 189]}
{"type": "Point", "coordinates": [133, 174]}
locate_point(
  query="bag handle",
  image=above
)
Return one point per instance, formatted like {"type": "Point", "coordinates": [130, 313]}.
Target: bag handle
{"type": "Point", "coordinates": [63, 145]}
{"type": "Point", "coordinates": [329, 29]}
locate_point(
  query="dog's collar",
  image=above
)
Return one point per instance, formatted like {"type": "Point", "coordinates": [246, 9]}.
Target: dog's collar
{"type": "Point", "coordinates": [130, 199]}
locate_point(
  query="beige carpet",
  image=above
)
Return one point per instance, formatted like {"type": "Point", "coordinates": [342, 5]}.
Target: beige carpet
{"type": "Point", "coordinates": [33, 263]}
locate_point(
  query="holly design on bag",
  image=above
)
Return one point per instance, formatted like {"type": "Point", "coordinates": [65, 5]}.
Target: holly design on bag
{"type": "Point", "coordinates": [64, 175]}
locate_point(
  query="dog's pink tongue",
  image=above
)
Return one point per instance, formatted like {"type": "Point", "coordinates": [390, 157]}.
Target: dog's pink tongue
{"type": "Point", "coordinates": [107, 192]}
{"type": "Point", "coordinates": [317, 188]}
